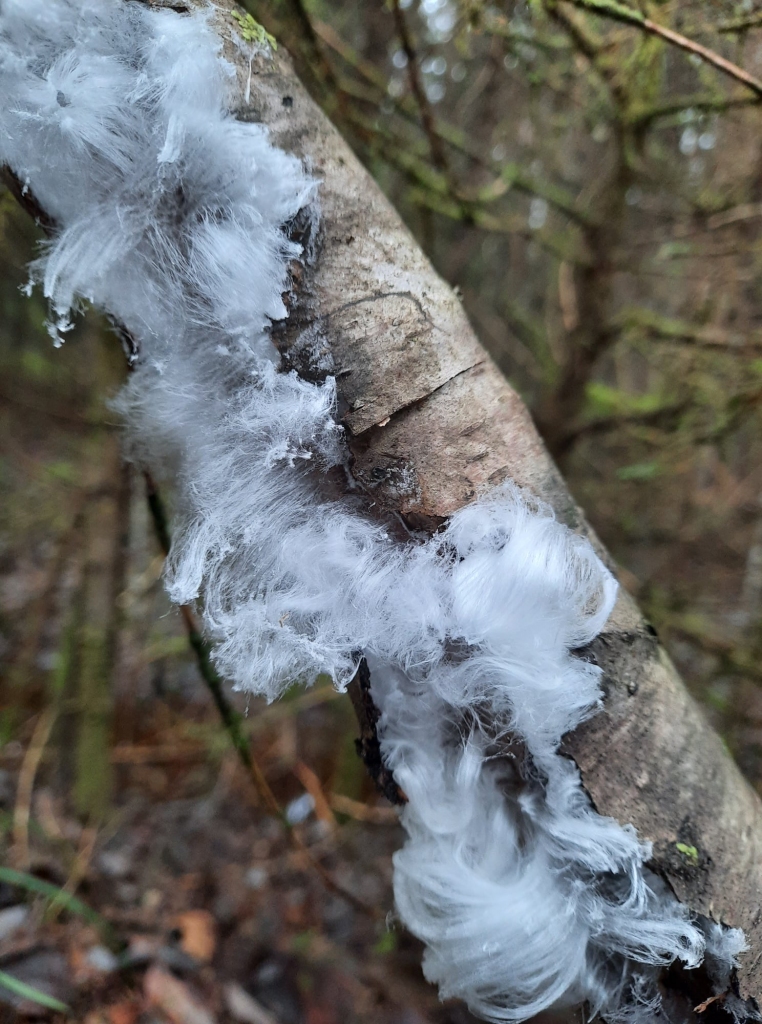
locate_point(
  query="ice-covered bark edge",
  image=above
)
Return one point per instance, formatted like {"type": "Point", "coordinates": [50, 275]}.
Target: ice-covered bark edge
{"type": "Point", "coordinates": [170, 216]}
{"type": "Point", "coordinates": [431, 420]}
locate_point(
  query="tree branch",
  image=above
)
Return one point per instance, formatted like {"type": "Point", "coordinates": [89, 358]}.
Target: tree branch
{"type": "Point", "coordinates": [630, 16]}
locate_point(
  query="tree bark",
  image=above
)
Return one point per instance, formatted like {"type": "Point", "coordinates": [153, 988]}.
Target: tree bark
{"type": "Point", "coordinates": [431, 422]}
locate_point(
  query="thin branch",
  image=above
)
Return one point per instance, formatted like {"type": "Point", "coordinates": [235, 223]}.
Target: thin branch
{"type": "Point", "coordinates": [641, 116]}
{"type": "Point", "coordinates": [499, 26]}
{"type": "Point", "coordinates": [592, 47]}
{"type": "Point", "coordinates": [230, 717]}
{"type": "Point", "coordinates": [430, 190]}
{"type": "Point", "coordinates": [670, 329]}
{"type": "Point", "coordinates": [630, 16]}
{"type": "Point", "coordinates": [437, 151]}
{"type": "Point", "coordinates": [735, 215]}
{"type": "Point", "coordinates": [555, 196]}
{"type": "Point", "coordinates": [734, 659]}
{"type": "Point", "coordinates": [26, 200]}
{"type": "Point", "coordinates": [29, 203]}
{"type": "Point", "coordinates": [28, 774]}
{"type": "Point", "coordinates": [741, 24]}
{"type": "Point", "coordinates": [665, 417]}
{"type": "Point", "coordinates": [317, 64]}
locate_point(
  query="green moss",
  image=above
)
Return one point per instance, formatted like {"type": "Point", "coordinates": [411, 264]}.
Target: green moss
{"type": "Point", "coordinates": [386, 944]}
{"type": "Point", "coordinates": [252, 32]}
{"type": "Point", "coordinates": [689, 852]}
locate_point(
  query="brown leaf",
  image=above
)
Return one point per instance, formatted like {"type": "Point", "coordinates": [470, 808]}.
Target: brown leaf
{"type": "Point", "coordinates": [198, 934]}
{"type": "Point", "coordinates": [173, 997]}
{"type": "Point", "coordinates": [123, 1013]}
{"type": "Point", "coordinates": [244, 1008]}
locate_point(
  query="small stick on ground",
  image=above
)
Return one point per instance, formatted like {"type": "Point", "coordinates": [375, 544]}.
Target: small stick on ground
{"type": "Point", "coordinates": [27, 775]}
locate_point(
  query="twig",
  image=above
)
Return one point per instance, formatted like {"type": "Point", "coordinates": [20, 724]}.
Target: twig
{"type": "Point", "coordinates": [368, 745]}
{"type": "Point", "coordinates": [673, 330]}
{"type": "Point", "coordinates": [26, 200]}
{"type": "Point", "coordinates": [643, 116]}
{"type": "Point", "coordinates": [437, 150]}
{"type": "Point", "coordinates": [512, 177]}
{"type": "Point", "coordinates": [78, 871]}
{"type": "Point", "coordinates": [21, 669]}
{"type": "Point", "coordinates": [27, 775]}
{"type": "Point", "coordinates": [747, 211]}
{"type": "Point", "coordinates": [664, 417]}
{"type": "Point", "coordinates": [29, 203]}
{"type": "Point", "coordinates": [312, 785]}
{"type": "Point", "coordinates": [317, 64]}
{"type": "Point", "coordinates": [362, 812]}
{"type": "Point", "coordinates": [734, 659]}
{"type": "Point", "coordinates": [741, 24]}
{"type": "Point", "coordinates": [591, 47]}
{"type": "Point", "coordinates": [630, 16]}
{"type": "Point", "coordinates": [230, 717]}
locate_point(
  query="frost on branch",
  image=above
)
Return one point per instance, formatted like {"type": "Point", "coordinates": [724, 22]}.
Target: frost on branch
{"type": "Point", "coordinates": [171, 217]}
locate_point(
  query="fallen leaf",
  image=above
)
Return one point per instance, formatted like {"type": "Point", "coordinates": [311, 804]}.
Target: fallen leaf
{"type": "Point", "coordinates": [708, 1002]}
{"type": "Point", "coordinates": [197, 934]}
{"type": "Point", "coordinates": [244, 1008]}
{"type": "Point", "coordinates": [123, 1013]}
{"type": "Point", "coordinates": [173, 997]}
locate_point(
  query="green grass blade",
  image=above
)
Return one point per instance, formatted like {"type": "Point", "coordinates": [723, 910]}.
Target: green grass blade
{"type": "Point", "coordinates": [19, 988]}
{"type": "Point", "coordinates": [61, 899]}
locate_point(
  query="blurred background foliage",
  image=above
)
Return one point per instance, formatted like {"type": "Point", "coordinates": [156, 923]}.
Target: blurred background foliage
{"type": "Point", "coordinates": [595, 195]}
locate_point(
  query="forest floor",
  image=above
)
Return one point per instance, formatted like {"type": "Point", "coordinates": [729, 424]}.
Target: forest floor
{"type": "Point", "coordinates": [192, 904]}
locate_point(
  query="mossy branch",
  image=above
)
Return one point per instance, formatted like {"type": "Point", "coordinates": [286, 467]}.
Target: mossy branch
{"type": "Point", "coordinates": [629, 16]}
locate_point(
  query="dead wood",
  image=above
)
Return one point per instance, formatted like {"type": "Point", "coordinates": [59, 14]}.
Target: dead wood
{"type": "Point", "coordinates": [431, 422]}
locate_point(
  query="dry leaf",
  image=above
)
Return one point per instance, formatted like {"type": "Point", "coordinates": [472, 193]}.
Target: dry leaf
{"type": "Point", "coordinates": [198, 934]}
{"type": "Point", "coordinates": [173, 997]}
{"type": "Point", "coordinates": [123, 1013]}
{"type": "Point", "coordinates": [244, 1008]}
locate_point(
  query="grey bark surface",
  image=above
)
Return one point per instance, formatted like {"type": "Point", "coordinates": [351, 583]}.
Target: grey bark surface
{"type": "Point", "coordinates": [431, 423]}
